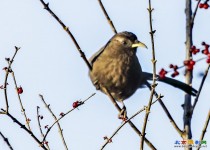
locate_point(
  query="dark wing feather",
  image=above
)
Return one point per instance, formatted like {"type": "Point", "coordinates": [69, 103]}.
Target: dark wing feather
{"type": "Point", "coordinates": [188, 89]}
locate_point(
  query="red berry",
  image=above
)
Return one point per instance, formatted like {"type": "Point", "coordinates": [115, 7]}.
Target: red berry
{"type": "Point", "coordinates": [205, 51]}
{"type": "Point", "coordinates": [162, 73]}
{"type": "Point", "coordinates": [61, 114]}
{"type": "Point", "coordinates": [190, 67]}
{"type": "Point", "coordinates": [201, 5]}
{"type": "Point", "coordinates": [20, 90]}
{"type": "Point", "coordinates": [206, 6]}
{"type": "Point", "coordinates": [75, 104]}
{"type": "Point", "coordinates": [193, 47]}
{"type": "Point", "coordinates": [171, 66]}
{"type": "Point", "coordinates": [5, 68]}
{"type": "Point", "coordinates": [192, 62]}
{"type": "Point", "coordinates": [206, 46]}
{"type": "Point", "coordinates": [203, 43]}
{"type": "Point", "coordinates": [197, 50]}
{"type": "Point", "coordinates": [176, 73]}
{"type": "Point", "coordinates": [175, 67]}
{"type": "Point", "coordinates": [208, 61]}
{"type": "Point", "coordinates": [173, 75]}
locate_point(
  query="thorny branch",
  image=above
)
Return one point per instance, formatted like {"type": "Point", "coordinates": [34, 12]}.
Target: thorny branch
{"type": "Point", "coordinates": [26, 129]}
{"type": "Point", "coordinates": [48, 130]}
{"type": "Point", "coordinates": [6, 77]}
{"type": "Point", "coordinates": [59, 126]}
{"type": "Point", "coordinates": [21, 104]}
{"type": "Point", "coordinates": [200, 88]}
{"type": "Point", "coordinates": [107, 17]}
{"type": "Point", "coordinates": [6, 141]}
{"type": "Point", "coordinates": [204, 129]}
{"type": "Point", "coordinates": [39, 124]}
{"type": "Point", "coordinates": [150, 9]}
{"type": "Point", "coordinates": [126, 121]}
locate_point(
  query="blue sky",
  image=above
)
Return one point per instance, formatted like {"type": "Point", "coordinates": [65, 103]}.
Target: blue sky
{"type": "Point", "coordinates": [49, 64]}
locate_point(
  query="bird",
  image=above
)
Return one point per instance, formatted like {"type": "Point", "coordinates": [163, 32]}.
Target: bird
{"type": "Point", "coordinates": [115, 67]}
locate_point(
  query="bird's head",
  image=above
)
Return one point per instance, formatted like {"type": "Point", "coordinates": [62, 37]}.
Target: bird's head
{"type": "Point", "coordinates": [126, 40]}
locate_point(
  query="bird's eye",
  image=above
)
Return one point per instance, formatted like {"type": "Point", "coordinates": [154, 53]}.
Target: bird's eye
{"type": "Point", "coordinates": [124, 42]}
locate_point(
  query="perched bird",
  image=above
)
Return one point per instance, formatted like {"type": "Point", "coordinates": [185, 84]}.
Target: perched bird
{"type": "Point", "coordinates": [116, 67]}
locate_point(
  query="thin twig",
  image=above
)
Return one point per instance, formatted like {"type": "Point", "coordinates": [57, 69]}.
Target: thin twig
{"type": "Point", "coordinates": [107, 17]}
{"type": "Point", "coordinates": [194, 14]}
{"type": "Point", "coordinates": [59, 126]}
{"type": "Point", "coordinates": [21, 104]}
{"type": "Point", "coordinates": [204, 129]}
{"type": "Point", "coordinates": [22, 126]}
{"type": "Point", "coordinates": [130, 123]}
{"type": "Point", "coordinates": [6, 77]}
{"type": "Point", "coordinates": [150, 9]}
{"type": "Point", "coordinates": [46, 6]}
{"type": "Point", "coordinates": [180, 132]}
{"type": "Point", "coordinates": [6, 141]}
{"type": "Point", "coordinates": [125, 122]}
{"type": "Point", "coordinates": [200, 88]}
{"type": "Point", "coordinates": [39, 124]}
{"type": "Point", "coordinates": [48, 130]}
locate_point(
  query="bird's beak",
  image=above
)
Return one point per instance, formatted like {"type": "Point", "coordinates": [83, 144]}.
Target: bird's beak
{"type": "Point", "coordinates": [138, 44]}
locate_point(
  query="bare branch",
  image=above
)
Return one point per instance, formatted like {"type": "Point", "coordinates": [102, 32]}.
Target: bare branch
{"type": "Point", "coordinates": [59, 126]}
{"type": "Point", "coordinates": [194, 14]}
{"type": "Point", "coordinates": [6, 77]}
{"type": "Point", "coordinates": [130, 123]}
{"type": "Point", "coordinates": [24, 128]}
{"type": "Point", "coordinates": [39, 124]}
{"type": "Point", "coordinates": [82, 54]}
{"type": "Point", "coordinates": [6, 141]}
{"type": "Point", "coordinates": [204, 129]}
{"type": "Point", "coordinates": [150, 9]}
{"type": "Point", "coordinates": [107, 17]}
{"type": "Point", "coordinates": [21, 104]}
{"type": "Point", "coordinates": [125, 122]}
{"type": "Point", "coordinates": [83, 102]}
{"type": "Point", "coordinates": [200, 88]}
{"type": "Point", "coordinates": [180, 132]}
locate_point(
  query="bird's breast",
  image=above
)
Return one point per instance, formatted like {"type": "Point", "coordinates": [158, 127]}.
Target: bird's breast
{"type": "Point", "coordinates": [121, 75]}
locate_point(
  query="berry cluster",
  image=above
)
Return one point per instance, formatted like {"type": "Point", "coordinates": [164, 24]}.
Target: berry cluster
{"type": "Point", "coordinates": [175, 73]}
{"type": "Point", "coordinates": [162, 73]}
{"type": "Point", "coordinates": [204, 5]}
{"type": "Point", "coordinates": [206, 51]}
{"type": "Point", "coordinates": [189, 64]}
{"type": "Point", "coordinates": [194, 50]}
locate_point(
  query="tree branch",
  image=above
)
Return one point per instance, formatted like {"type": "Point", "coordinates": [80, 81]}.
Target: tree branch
{"type": "Point", "coordinates": [204, 129]}
{"type": "Point", "coordinates": [65, 115]}
{"type": "Point", "coordinates": [150, 9]}
{"type": "Point", "coordinates": [82, 54]}
{"type": "Point", "coordinates": [107, 17]}
{"type": "Point", "coordinates": [59, 126]}
{"type": "Point", "coordinates": [6, 141]}
{"type": "Point", "coordinates": [24, 128]}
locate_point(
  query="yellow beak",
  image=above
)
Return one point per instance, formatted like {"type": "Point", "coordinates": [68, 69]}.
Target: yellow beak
{"type": "Point", "coordinates": [138, 44]}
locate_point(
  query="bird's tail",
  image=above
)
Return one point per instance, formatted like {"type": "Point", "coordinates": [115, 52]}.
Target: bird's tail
{"type": "Point", "coordinates": [184, 87]}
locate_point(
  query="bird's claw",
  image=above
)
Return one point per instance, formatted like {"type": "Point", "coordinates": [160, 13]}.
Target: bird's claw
{"type": "Point", "coordinates": [123, 114]}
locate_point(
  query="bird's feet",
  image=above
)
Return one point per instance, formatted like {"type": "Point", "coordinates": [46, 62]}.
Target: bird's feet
{"type": "Point", "coordinates": [123, 114]}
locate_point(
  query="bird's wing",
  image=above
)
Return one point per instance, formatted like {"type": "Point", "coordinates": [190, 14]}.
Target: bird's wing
{"type": "Point", "coordinates": [97, 54]}
{"type": "Point", "coordinates": [178, 84]}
